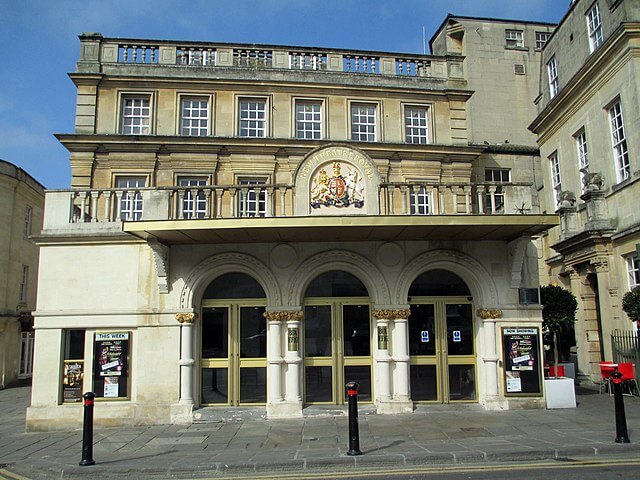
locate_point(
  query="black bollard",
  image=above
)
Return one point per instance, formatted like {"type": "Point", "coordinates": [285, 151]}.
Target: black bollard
{"type": "Point", "coordinates": [87, 430]}
{"type": "Point", "coordinates": [621, 420]}
{"type": "Point", "coordinates": [354, 434]}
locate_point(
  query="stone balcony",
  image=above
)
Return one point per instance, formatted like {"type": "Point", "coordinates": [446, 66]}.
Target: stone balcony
{"type": "Point", "coordinates": [168, 58]}
{"type": "Point", "coordinates": [273, 212]}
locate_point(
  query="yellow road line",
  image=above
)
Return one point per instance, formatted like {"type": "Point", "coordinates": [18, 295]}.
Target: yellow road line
{"type": "Point", "coordinates": [11, 475]}
{"type": "Point", "coordinates": [368, 471]}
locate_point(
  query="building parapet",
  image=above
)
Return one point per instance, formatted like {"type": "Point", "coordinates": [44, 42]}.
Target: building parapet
{"type": "Point", "coordinates": [97, 52]}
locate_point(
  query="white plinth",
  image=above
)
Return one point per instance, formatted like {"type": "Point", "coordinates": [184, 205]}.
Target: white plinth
{"type": "Point", "coordinates": [560, 392]}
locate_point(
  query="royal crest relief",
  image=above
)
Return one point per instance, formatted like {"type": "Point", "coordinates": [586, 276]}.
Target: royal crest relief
{"type": "Point", "coordinates": [337, 190]}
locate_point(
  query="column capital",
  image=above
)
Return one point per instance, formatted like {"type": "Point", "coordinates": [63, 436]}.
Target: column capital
{"type": "Point", "coordinates": [391, 314]}
{"type": "Point", "coordinates": [284, 315]}
{"type": "Point", "coordinates": [489, 313]}
{"type": "Point", "coordinates": [186, 318]}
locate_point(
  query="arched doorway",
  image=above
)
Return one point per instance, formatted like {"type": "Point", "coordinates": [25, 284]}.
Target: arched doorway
{"type": "Point", "coordinates": [337, 338]}
{"type": "Point", "coordinates": [441, 339]}
{"type": "Point", "coordinates": [233, 342]}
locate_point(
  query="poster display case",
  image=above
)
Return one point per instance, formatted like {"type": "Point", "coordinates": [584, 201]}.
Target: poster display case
{"type": "Point", "coordinates": [521, 358]}
{"type": "Point", "coordinates": [111, 365]}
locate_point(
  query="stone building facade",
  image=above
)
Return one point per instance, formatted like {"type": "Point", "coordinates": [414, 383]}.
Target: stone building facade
{"type": "Point", "coordinates": [259, 224]}
{"type": "Point", "coordinates": [21, 210]}
{"type": "Point", "coordinates": [587, 131]}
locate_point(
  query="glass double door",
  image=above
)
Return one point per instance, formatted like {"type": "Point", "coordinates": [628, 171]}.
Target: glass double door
{"type": "Point", "coordinates": [234, 354]}
{"type": "Point", "coordinates": [442, 349]}
{"type": "Point", "coordinates": [337, 350]}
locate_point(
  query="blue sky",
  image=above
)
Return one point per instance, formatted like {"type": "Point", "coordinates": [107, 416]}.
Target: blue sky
{"type": "Point", "coordinates": [40, 46]}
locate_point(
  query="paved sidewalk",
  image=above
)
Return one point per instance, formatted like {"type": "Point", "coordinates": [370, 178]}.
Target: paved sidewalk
{"type": "Point", "coordinates": [433, 435]}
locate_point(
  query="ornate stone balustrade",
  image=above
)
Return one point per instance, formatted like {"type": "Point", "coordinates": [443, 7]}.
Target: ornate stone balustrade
{"type": "Point", "coordinates": [98, 51]}
{"type": "Point", "coordinates": [277, 200]}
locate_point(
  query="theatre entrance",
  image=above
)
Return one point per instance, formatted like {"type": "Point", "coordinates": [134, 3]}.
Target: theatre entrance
{"type": "Point", "coordinates": [233, 362]}
{"type": "Point", "coordinates": [441, 339]}
{"type": "Point", "coordinates": [337, 339]}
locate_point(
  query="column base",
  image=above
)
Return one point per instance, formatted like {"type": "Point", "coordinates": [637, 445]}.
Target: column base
{"type": "Point", "coordinates": [182, 413]}
{"type": "Point", "coordinates": [284, 409]}
{"type": "Point", "coordinates": [394, 406]}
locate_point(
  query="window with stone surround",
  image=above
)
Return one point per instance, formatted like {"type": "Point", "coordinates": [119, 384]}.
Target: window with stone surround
{"type": "Point", "coordinates": [541, 39]}
{"type": "Point", "coordinates": [514, 38]}
{"type": "Point", "coordinates": [28, 219]}
{"type": "Point", "coordinates": [619, 142]}
{"type": "Point", "coordinates": [416, 124]}
{"type": "Point", "coordinates": [194, 116]}
{"type": "Point", "coordinates": [131, 200]}
{"type": "Point", "coordinates": [252, 201]}
{"type": "Point", "coordinates": [552, 71]}
{"type": "Point", "coordinates": [252, 117]}
{"type": "Point", "coordinates": [594, 27]}
{"type": "Point", "coordinates": [421, 201]}
{"type": "Point", "coordinates": [633, 271]}
{"type": "Point", "coordinates": [194, 200]}
{"type": "Point", "coordinates": [364, 122]}
{"type": "Point", "coordinates": [583, 154]}
{"type": "Point", "coordinates": [24, 281]}
{"type": "Point", "coordinates": [308, 119]}
{"type": "Point", "coordinates": [135, 118]}
{"type": "Point", "coordinates": [496, 175]}
{"type": "Point", "coordinates": [554, 165]}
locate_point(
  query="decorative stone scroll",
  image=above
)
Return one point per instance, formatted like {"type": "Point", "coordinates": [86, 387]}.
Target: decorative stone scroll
{"type": "Point", "coordinates": [391, 314]}
{"type": "Point", "coordinates": [186, 317]}
{"type": "Point", "coordinates": [285, 315]}
{"type": "Point", "coordinates": [489, 313]}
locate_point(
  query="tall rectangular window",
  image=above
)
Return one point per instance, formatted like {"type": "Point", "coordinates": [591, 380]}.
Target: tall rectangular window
{"type": "Point", "coordinates": [363, 122]}
{"type": "Point", "coordinates": [552, 71]}
{"type": "Point", "coordinates": [496, 175]}
{"type": "Point", "coordinates": [252, 201]}
{"type": "Point", "coordinates": [24, 279]}
{"type": "Point", "coordinates": [136, 115]}
{"type": "Point", "coordinates": [619, 142]}
{"type": "Point", "coordinates": [594, 27]}
{"type": "Point", "coordinates": [28, 218]}
{"type": "Point", "coordinates": [308, 120]}
{"type": "Point", "coordinates": [416, 125]}
{"type": "Point", "coordinates": [252, 117]}
{"type": "Point", "coordinates": [583, 155]}
{"type": "Point", "coordinates": [514, 38]}
{"type": "Point", "coordinates": [194, 199]}
{"type": "Point", "coordinates": [541, 39]}
{"type": "Point", "coordinates": [194, 116]}
{"type": "Point", "coordinates": [633, 271]}
{"type": "Point", "coordinates": [131, 200]}
{"type": "Point", "coordinates": [554, 165]}
{"type": "Point", "coordinates": [420, 201]}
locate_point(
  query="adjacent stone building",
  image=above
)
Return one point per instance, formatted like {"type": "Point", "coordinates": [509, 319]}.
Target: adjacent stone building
{"type": "Point", "coordinates": [587, 127]}
{"type": "Point", "coordinates": [21, 210]}
{"type": "Point", "coordinates": [258, 224]}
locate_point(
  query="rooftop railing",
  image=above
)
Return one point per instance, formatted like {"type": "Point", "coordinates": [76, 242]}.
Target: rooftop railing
{"type": "Point", "coordinates": [98, 50]}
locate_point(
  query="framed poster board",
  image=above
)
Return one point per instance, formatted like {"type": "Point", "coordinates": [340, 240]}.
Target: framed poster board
{"type": "Point", "coordinates": [521, 359]}
{"type": "Point", "coordinates": [111, 365]}
{"type": "Point", "coordinates": [72, 378]}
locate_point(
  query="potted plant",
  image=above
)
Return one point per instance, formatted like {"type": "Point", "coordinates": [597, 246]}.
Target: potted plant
{"type": "Point", "coordinates": [558, 315]}
{"type": "Point", "coordinates": [631, 304]}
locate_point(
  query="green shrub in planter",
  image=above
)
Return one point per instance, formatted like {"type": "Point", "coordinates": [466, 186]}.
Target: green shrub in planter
{"type": "Point", "coordinates": [558, 313]}
{"type": "Point", "coordinates": [631, 304]}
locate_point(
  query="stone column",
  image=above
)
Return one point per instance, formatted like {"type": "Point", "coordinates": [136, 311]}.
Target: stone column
{"type": "Point", "coordinates": [608, 300]}
{"type": "Point", "coordinates": [274, 357]}
{"type": "Point", "coordinates": [397, 399]}
{"type": "Point", "coordinates": [291, 404]}
{"type": "Point", "coordinates": [181, 413]}
{"type": "Point", "coordinates": [382, 358]}
{"type": "Point", "coordinates": [490, 357]}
